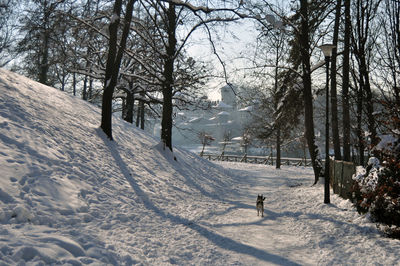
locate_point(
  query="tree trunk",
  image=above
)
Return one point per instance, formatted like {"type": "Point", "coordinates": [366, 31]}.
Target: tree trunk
{"type": "Point", "coordinates": [142, 112]}
{"type": "Point", "coordinates": [307, 95]}
{"type": "Point", "coordinates": [90, 91]}
{"type": "Point", "coordinates": [74, 84]}
{"type": "Point", "coordinates": [130, 99]}
{"type": "Point", "coordinates": [360, 134]}
{"type": "Point", "coordinates": [44, 64]}
{"type": "Point", "coordinates": [63, 83]}
{"type": "Point", "coordinates": [84, 90]}
{"type": "Point", "coordinates": [278, 148]}
{"type": "Point", "coordinates": [138, 114]}
{"type": "Point", "coordinates": [87, 67]}
{"type": "Point", "coordinates": [111, 70]}
{"type": "Point", "coordinates": [365, 12]}
{"type": "Point", "coordinates": [166, 123]}
{"type": "Point", "coordinates": [304, 152]}
{"type": "Point", "coordinates": [202, 150]}
{"type": "Point", "coordinates": [345, 84]}
{"type": "Point", "coordinates": [334, 108]}
{"type": "Point", "coordinates": [113, 62]}
{"type": "Point", "coordinates": [370, 106]}
{"type": "Point", "coordinates": [44, 60]}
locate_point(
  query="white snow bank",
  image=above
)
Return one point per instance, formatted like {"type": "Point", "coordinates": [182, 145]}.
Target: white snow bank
{"type": "Point", "coordinates": [69, 195]}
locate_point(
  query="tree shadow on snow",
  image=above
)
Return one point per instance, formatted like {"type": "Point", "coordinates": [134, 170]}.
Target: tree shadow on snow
{"type": "Point", "coordinates": [219, 240]}
{"type": "Point", "coordinates": [310, 216]}
{"type": "Point", "coordinates": [268, 215]}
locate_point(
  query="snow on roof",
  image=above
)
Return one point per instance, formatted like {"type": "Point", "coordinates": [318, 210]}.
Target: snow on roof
{"type": "Point", "coordinates": [247, 109]}
{"type": "Point", "coordinates": [226, 142]}
{"type": "Point", "coordinates": [221, 104]}
{"type": "Point", "coordinates": [183, 125]}
{"type": "Point", "coordinates": [194, 120]}
{"type": "Point", "coordinates": [223, 113]}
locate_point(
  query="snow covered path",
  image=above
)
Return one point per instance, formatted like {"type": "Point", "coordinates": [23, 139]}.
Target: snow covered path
{"type": "Point", "coordinates": [255, 239]}
{"type": "Point", "coordinates": [297, 228]}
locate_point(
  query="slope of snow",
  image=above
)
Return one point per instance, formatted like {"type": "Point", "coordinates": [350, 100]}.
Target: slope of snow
{"type": "Point", "coordinates": [68, 195]}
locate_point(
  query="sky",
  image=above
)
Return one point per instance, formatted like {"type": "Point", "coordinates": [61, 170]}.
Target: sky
{"type": "Point", "coordinates": [235, 44]}
{"type": "Point", "coordinates": [232, 44]}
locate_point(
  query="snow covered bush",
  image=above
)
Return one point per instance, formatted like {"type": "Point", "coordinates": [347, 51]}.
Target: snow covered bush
{"type": "Point", "coordinates": [377, 187]}
{"type": "Point", "coordinates": [365, 185]}
{"type": "Point", "coordinates": [368, 181]}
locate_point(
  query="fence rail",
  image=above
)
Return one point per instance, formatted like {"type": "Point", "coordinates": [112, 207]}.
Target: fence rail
{"type": "Point", "coordinates": [257, 159]}
{"type": "Point", "coordinates": [341, 172]}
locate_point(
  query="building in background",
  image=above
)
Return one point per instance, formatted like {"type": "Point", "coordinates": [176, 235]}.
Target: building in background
{"type": "Point", "coordinates": [224, 121]}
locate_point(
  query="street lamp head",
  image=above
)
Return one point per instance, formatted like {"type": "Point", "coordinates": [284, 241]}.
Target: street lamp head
{"type": "Point", "coordinates": [327, 49]}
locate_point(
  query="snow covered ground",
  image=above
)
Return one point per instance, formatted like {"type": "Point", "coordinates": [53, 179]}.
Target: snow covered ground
{"type": "Point", "coordinates": [70, 196]}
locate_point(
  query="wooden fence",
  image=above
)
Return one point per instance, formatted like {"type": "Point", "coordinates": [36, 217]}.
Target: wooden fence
{"type": "Point", "coordinates": [341, 174]}
{"type": "Point", "coordinates": [257, 159]}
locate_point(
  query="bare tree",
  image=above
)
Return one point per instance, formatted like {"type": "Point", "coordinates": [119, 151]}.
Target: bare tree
{"type": "Point", "coordinates": [363, 42]}
{"type": "Point", "coordinates": [7, 30]}
{"type": "Point", "coordinates": [226, 139]}
{"type": "Point", "coordinates": [114, 58]}
{"type": "Point", "coordinates": [276, 40]}
{"type": "Point", "coordinates": [346, 82]}
{"type": "Point", "coordinates": [389, 50]}
{"type": "Point", "coordinates": [307, 17]}
{"type": "Point", "coordinates": [41, 26]}
{"type": "Point", "coordinates": [205, 140]}
{"type": "Point", "coordinates": [304, 43]}
{"type": "Point", "coordinates": [168, 17]}
{"type": "Point", "coordinates": [246, 140]}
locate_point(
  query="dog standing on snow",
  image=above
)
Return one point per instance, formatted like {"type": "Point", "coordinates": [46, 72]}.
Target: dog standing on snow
{"type": "Point", "coordinates": [260, 205]}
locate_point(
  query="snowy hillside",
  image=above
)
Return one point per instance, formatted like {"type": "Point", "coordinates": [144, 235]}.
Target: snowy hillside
{"type": "Point", "coordinates": [70, 196]}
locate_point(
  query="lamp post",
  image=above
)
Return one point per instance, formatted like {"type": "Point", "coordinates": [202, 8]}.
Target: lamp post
{"type": "Point", "coordinates": [327, 50]}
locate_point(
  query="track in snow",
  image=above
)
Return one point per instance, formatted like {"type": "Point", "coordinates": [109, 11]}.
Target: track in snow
{"type": "Point", "coordinates": [254, 239]}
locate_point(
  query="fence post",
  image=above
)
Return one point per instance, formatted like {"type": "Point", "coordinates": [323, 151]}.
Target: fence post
{"type": "Point", "coordinates": [342, 181]}
{"type": "Point", "coordinates": [338, 177]}
{"type": "Point", "coordinates": [348, 171]}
